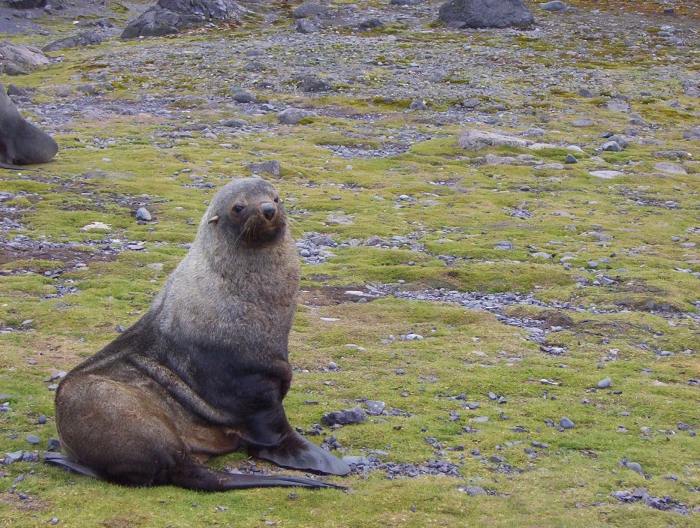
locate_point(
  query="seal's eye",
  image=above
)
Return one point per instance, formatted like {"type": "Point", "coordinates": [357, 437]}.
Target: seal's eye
{"type": "Point", "coordinates": [238, 208]}
{"type": "Point", "coordinates": [277, 199]}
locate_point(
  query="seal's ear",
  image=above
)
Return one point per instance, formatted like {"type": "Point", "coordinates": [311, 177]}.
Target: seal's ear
{"type": "Point", "coordinates": [214, 219]}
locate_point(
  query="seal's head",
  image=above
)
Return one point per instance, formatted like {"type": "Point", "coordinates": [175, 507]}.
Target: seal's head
{"type": "Point", "coordinates": [248, 212]}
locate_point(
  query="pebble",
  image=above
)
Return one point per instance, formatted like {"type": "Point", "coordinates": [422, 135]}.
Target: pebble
{"type": "Point", "coordinates": [41, 420]}
{"type": "Point", "coordinates": [570, 158]}
{"type": "Point", "coordinates": [604, 383]}
{"type": "Point", "coordinates": [33, 439]}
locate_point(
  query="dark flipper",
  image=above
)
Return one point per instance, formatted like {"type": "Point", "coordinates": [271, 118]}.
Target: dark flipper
{"type": "Point", "coordinates": [199, 477]}
{"type": "Point", "coordinates": [56, 459]}
{"type": "Point", "coordinates": [297, 452]}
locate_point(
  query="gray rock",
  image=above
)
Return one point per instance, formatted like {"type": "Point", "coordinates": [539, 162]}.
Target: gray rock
{"type": "Point", "coordinates": [244, 97]}
{"type": "Point", "coordinates": [87, 88]}
{"type": "Point", "coordinates": [265, 167]}
{"type": "Point", "coordinates": [41, 420]}
{"type": "Point", "coordinates": [309, 9]}
{"type": "Point", "coordinates": [375, 407]}
{"type": "Point", "coordinates": [477, 139]}
{"type": "Point", "coordinates": [255, 66]}
{"type": "Point", "coordinates": [89, 38]}
{"type": "Point", "coordinates": [356, 460]}
{"type": "Point", "coordinates": [606, 174]}
{"type": "Point", "coordinates": [291, 116]}
{"type": "Point", "coordinates": [566, 423]}
{"type": "Point", "coordinates": [18, 59]}
{"type": "Point", "coordinates": [54, 444]}
{"type": "Point", "coordinates": [618, 105]}
{"type": "Point", "coordinates": [497, 459]}
{"type": "Point", "coordinates": [15, 456]}
{"type": "Point", "coordinates": [504, 245]}
{"type": "Point", "coordinates": [691, 88]}
{"type": "Point", "coordinates": [619, 140]}
{"type": "Point", "coordinates": [570, 158]}
{"type": "Point", "coordinates": [417, 104]}
{"type": "Point", "coordinates": [33, 439]}
{"type": "Point", "coordinates": [584, 92]}
{"type": "Point", "coordinates": [143, 214]}
{"type": "Point", "coordinates": [472, 490]}
{"type": "Point", "coordinates": [233, 123]}
{"type": "Point", "coordinates": [553, 6]}
{"type": "Point", "coordinates": [612, 146]}
{"type": "Point", "coordinates": [405, 2]}
{"type": "Point", "coordinates": [604, 383]}
{"type": "Point", "coordinates": [693, 133]}
{"type": "Point", "coordinates": [671, 168]}
{"type": "Point", "coordinates": [486, 13]}
{"type": "Point", "coordinates": [305, 26]}
{"type": "Point", "coordinates": [18, 91]}
{"type": "Point", "coordinates": [583, 122]}
{"type": "Point", "coordinates": [348, 416]}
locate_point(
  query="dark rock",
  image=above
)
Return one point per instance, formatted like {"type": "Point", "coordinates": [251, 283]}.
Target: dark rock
{"type": "Point", "coordinates": [486, 13]}
{"type": "Point", "coordinates": [371, 23]}
{"type": "Point", "coordinates": [41, 420]}
{"type": "Point", "coordinates": [244, 97]}
{"type": "Point", "coordinates": [26, 4]}
{"type": "Point", "coordinates": [405, 2]}
{"type": "Point", "coordinates": [54, 444]}
{"type": "Point", "coordinates": [348, 416]}
{"type": "Point", "coordinates": [255, 66]}
{"type": "Point", "coordinates": [605, 383]}
{"type": "Point", "coordinates": [311, 84]}
{"type": "Point", "coordinates": [18, 91]}
{"type": "Point", "coordinates": [570, 158]}
{"type": "Point", "coordinates": [233, 123]}
{"type": "Point", "coordinates": [89, 38]}
{"type": "Point", "coordinates": [33, 439]}
{"type": "Point", "coordinates": [171, 16]}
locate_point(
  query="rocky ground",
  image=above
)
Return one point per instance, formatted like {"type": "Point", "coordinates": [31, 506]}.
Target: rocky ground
{"type": "Point", "coordinates": [499, 234]}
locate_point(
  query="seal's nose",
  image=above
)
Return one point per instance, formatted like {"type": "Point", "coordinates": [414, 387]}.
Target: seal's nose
{"type": "Point", "coordinates": [268, 210]}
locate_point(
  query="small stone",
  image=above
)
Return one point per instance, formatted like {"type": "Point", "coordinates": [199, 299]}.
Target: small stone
{"type": "Point", "coordinates": [612, 146]}
{"type": "Point", "coordinates": [41, 420]}
{"type": "Point", "coordinates": [605, 383]}
{"type": "Point", "coordinates": [566, 423]}
{"type": "Point", "coordinates": [356, 460]}
{"type": "Point", "coordinates": [570, 158]}
{"type": "Point", "coordinates": [54, 444]}
{"type": "Point", "coordinates": [143, 214]}
{"type": "Point", "coordinates": [472, 490]}
{"type": "Point", "coordinates": [15, 456]}
{"type": "Point", "coordinates": [33, 439]}
{"type": "Point", "coordinates": [496, 459]}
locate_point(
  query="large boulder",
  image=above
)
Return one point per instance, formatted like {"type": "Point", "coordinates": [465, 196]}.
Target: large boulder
{"type": "Point", "coordinates": [486, 14]}
{"type": "Point", "coordinates": [172, 16]}
{"type": "Point", "coordinates": [21, 143]}
{"type": "Point", "coordinates": [17, 59]}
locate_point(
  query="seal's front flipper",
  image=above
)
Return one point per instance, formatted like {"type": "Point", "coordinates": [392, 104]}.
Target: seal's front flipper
{"type": "Point", "coordinates": [56, 459]}
{"type": "Point", "coordinates": [296, 452]}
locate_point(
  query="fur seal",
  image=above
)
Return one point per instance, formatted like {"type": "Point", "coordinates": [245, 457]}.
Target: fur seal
{"type": "Point", "coordinates": [205, 370]}
{"type": "Point", "coordinates": [21, 143]}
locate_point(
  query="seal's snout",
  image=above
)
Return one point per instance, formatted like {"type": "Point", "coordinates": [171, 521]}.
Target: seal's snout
{"type": "Point", "coordinates": [268, 210]}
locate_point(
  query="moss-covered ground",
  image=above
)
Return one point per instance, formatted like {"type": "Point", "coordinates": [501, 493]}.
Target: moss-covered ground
{"type": "Point", "coordinates": [622, 252]}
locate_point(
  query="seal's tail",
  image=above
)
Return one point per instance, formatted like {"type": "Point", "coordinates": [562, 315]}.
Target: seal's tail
{"type": "Point", "coordinates": [199, 477]}
{"type": "Point", "coordinates": [195, 476]}
{"type": "Point", "coordinates": [56, 459]}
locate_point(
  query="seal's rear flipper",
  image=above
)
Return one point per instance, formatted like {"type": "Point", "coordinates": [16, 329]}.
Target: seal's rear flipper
{"type": "Point", "coordinates": [297, 452]}
{"type": "Point", "coordinates": [56, 459]}
{"type": "Point", "coordinates": [199, 477]}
